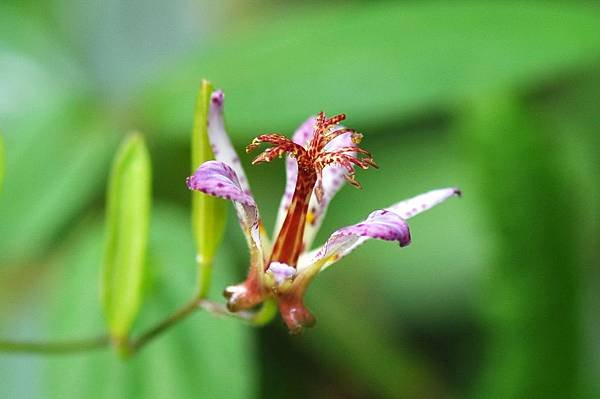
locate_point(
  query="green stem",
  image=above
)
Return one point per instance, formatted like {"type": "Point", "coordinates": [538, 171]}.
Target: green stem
{"type": "Point", "coordinates": [196, 304]}
{"type": "Point", "coordinates": [130, 346]}
{"type": "Point", "coordinates": [135, 345]}
{"type": "Point", "coordinates": [219, 309]}
{"type": "Point", "coordinates": [204, 278]}
{"type": "Point", "coordinates": [265, 314]}
{"type": "Point", "coordinates": [55, 348]}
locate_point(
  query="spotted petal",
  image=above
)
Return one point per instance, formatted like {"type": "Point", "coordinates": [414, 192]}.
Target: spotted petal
{"type": "Point", "coordinates": [381, 224]}
{"type": "Point", "coordinates": [413, 206]}
{"type": "Point", "coordinates": [220, 141]}
{"type": "Point", "coordinates": [220, 180]}
{"type": "Point", "coordinates": [225, 152]}
{"type": "Point", "coordinates": [332, 181]}
{"type": "Point", "coordinates": [388, 224]}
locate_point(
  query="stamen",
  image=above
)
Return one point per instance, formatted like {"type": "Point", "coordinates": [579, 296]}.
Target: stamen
{"type": "Point", "coordinates": [311, 162]}
{"type": "Point", "coordinates": [281, 144]}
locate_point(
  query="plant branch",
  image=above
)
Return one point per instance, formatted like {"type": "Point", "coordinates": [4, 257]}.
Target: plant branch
{"type": "Point", "coordinates": [55, 348]}
{"type": "Point", "coordinates": [130, 346]}
{"type": "Point", "coordinates": [204, 278]}
{"type": "Point", "coordinates": [134, 345]}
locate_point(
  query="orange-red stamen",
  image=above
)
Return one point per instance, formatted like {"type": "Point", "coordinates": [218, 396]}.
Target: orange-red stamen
{"type": "Point", "coordinates": [311, 161]}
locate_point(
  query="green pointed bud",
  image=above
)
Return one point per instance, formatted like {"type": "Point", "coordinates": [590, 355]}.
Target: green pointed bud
{"type": "Point", "coordinates": [127, 225]}
{"type": "Point", "coordinates": [208, 213]}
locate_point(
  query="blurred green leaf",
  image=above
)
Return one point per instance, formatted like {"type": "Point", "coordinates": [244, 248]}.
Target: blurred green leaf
{"type": "Point", "coordinates": [405, 56]}
{"type": "Point", "coordinates": [570, 115]}
{"type": "Point", "coordinates": [36, 70]}
{"type": "Point", "coordinates": [57, 162]}
{"type": "Point", "coordinates": [348, 338]}
{"type": "Point", "coordinates": [57, 143]}
{"type": "Point", "coordinates": [127, 223]}
{"type": "Point", "coordinates": [536, 269]}
{"type": "Point", "coordinates": [208, 213]}
{"type": "Point", "coordinates": [1, 160]}
{"type": "Point", "coordinates": [204, 355]}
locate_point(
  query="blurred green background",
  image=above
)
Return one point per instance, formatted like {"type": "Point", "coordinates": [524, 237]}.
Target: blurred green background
{"type": "Point", "coordinates": [498, 295]}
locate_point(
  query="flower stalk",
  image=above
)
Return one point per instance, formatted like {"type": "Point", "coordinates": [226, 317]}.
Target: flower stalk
{"type": "Point", "coordinates": [129, 346]}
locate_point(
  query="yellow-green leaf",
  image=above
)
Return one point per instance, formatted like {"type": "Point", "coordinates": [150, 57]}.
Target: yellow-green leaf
{"type": "Point", "coordinates": [208, 213]}
{"type": "Point", "coordinates": [127, 224]}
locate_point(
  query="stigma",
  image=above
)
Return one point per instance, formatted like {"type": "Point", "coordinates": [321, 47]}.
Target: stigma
{"type": "Point", "coordinates": [311, 159]}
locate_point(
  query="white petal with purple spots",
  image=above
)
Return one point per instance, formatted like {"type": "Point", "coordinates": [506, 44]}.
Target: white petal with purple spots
{"type": "Point", "coordinates": [388, 224]}
{"type": "Point", "coordinates": [381, 224]}
{"type": "Point", "coordinates": [225, 152]}
{"type": "Point", "coordinates": [219, 139]}
{"type": "Point", "coordinates": [413, 206]}
{"type": "Point", "coordinates": [220, 180]}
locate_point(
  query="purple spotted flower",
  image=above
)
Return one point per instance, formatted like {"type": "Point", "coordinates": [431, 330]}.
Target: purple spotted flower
{"type": "Point", "coordinates": [321, 156]}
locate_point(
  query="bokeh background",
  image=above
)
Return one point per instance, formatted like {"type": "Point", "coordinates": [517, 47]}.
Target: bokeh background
{"type": "Point", "coordinates": [497, 297]}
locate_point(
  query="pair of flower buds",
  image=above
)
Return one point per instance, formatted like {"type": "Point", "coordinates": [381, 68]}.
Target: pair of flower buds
{"type": "Point", "coordinates": [321, 156]}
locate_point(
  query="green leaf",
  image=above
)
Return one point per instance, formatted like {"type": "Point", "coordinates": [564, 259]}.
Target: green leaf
{"type": "Point", "coordinates": [57, 162]}
{"type": "Point", "coordinates": [407, 57]}
{"type": "Point", "coordinates": [1, 161]}
{"type": "Point", "coordinates": [537, 266]}
{"type": "Point", "coordinates": [392, 370]}
{"type": "Point", "coordinates": [204, 355]}
{"type": "Point", "coordinates": [58, 143]}
{"type": "Point", "coordinates": [31, 48]}
{"type": "Point", "coordinates": [127, 224]}
{"type": "Point", "coordinates": [208, 213]}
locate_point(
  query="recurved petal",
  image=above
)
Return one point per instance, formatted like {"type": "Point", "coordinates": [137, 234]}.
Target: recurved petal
{"type": "Point", "coordinates": [220, 180]}
{"type": "Point", "coordinates": [220, 141]}
{"type": "Point", "coordinates": [225, 152]}
{"type": "Point", "coordinates": [387, 224]}
{"type": "Point", "coordinates": [381, 224]}
{"type": "Point", "coordinates": [413, 206]}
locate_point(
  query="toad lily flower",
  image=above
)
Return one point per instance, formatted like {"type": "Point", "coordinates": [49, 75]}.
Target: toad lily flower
{"type": "Point", "coordinates": [320, 157]}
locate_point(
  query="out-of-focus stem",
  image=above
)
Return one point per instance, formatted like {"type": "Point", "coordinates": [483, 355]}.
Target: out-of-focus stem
{"type": "Point", "coordinates": [130, 346]}
{"type": "Point", "coordinates": [204, 277]}
{"type": "Point", "coordinates": [55, 348]}
{"type": "Point", "coordinates": [265, 314]}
